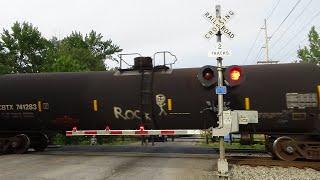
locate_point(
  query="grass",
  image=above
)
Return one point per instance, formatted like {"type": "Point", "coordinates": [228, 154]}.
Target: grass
{"type": "Point", "coordinates": [234, 145]}
{"type": "Point", "coordinates": [258, 143]}
{"type": "Point", "coordinates": [121, 141]}
{"type": "Point", "coordinates": [85, 140]}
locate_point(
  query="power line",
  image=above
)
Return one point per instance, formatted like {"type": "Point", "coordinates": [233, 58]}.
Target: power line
{"type": "Point", "coordinates": [259, 54]}
{"type": "Point", "coordinates": [255, 41]}
{"type": "Point", "coordinates": [293, 22]}
{"type": "Point", "coordinates": [289, 52]}
{"type": "Point", "coordinates": [294, 7]}
{"type": "Point", "coordinates": [291, 49]}
{"type": "Point", "coordinates": [251, 48]}
{"type": "Point", "coordinates": [294, 36]}
{"type": "Point", "coordinates": [311, 20]}
{"type": "Point", "coordinates": [273, 9]}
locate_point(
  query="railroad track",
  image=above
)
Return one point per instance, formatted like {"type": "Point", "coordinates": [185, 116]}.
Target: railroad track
{"type": "Point", "coordinates": [253, 151]}
{"type": "Point", "coordinates": [243, 150]}
{"type": "Point", "coordinates": [269, 162]}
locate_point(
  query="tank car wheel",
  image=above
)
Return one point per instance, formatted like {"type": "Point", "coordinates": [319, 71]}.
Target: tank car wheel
{"type": "Point", "coordinates": [4, 145]}
{"type": "Point", "coordinates": [20, 144]}
{"type": "Point", "coordinates": [269, 149]}
{"type": "Point", "coordinates": [269, 146]}
{"type": "Point", "coordinates": [43, 143]}
{"type": "Point", "coordinates": [285, 149]}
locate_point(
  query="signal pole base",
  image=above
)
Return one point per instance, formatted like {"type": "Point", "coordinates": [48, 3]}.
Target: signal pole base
{"type": "Point", "coordinates": [223, 169]}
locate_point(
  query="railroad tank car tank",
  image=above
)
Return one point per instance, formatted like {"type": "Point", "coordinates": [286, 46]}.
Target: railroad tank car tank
{"type": "Point", "coordinates": [94, 100]}
{"type": "Point", "coordinates": [156, 97]}
{"type": "Point", "coordinates": [287, 97]}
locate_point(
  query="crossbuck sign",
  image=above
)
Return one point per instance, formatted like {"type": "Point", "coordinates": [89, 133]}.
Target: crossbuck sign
{"type": "Point", "coordinates": [219, 23]}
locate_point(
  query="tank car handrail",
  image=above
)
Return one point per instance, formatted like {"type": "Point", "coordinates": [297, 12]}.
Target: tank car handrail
{"type": "Point", "coordinates": [126, 54]}
{"type": "Point", "coordinates": [164, 58]}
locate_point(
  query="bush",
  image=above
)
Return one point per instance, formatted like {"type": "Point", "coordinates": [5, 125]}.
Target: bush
{"type": "Point", "coordinates": [85, 140]}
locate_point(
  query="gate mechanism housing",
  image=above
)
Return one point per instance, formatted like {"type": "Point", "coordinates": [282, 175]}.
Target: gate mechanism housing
{"type": "Point", "coordinates": [232, 119]}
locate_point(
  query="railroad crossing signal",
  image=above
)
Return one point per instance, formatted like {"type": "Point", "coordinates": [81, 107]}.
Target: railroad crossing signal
{"type": "Point", "coordinates": [219, 27]}
{"type": "Point", "coordinates": [219, 23]}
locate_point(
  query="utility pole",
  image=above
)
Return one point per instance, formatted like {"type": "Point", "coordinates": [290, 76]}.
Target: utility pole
{"type": "Point", "coordinates": [267, 41]}
{"type": "Point", "coordinates": [266, 46]}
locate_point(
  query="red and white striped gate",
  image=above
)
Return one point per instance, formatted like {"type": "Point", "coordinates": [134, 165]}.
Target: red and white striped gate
{"type": "Point", "coordinates": [139, 132]}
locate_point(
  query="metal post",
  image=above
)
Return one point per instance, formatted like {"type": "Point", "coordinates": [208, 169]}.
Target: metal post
{"type": "Point", "coordinates": [222, 162]}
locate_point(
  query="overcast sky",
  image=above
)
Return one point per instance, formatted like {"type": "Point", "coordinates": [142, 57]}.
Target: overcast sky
{"type": "Point", "coordinates": [147, 26]}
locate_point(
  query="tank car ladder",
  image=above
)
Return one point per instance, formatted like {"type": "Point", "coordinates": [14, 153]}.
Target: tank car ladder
{"type": "Point", "coordinates": [146, 99]}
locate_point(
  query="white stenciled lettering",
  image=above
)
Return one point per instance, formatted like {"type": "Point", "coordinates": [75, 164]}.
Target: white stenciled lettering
{"type": "Point", "coordinates": [19, 107]}
{"type": "Point", "coordinates": [26, 107]}
{"type": "Point", "coordinates": [9, 107]}
{"type": "Point", "coordinates": [6, 107]}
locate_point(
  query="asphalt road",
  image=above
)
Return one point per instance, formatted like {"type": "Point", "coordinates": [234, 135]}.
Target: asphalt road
{"type": "Point", "coordinates": [170, 160]}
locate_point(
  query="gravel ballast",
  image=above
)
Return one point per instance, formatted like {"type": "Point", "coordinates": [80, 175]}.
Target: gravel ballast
{"type": "Point", "coordinates": [270, 173]}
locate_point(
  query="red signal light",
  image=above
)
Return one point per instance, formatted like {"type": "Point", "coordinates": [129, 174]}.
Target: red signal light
{"type": "Point", "coordinates": [234, 75]}
{"type": "Point", "coordinates": [207, 74]}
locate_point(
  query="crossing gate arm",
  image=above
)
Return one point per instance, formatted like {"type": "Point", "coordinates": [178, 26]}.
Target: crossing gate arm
{"type": "Point", "coordinates": [140, 132]}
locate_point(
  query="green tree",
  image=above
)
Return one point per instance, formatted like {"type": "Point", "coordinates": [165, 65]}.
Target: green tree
{"type": "Point", "coordinates": [83, 53]}
{"type": "Point", "coordinates": [311, 54]}
{"type": "Point", "coordinates": [23, 49]}
{"type": "Point", "coordinates": [4, 65]}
